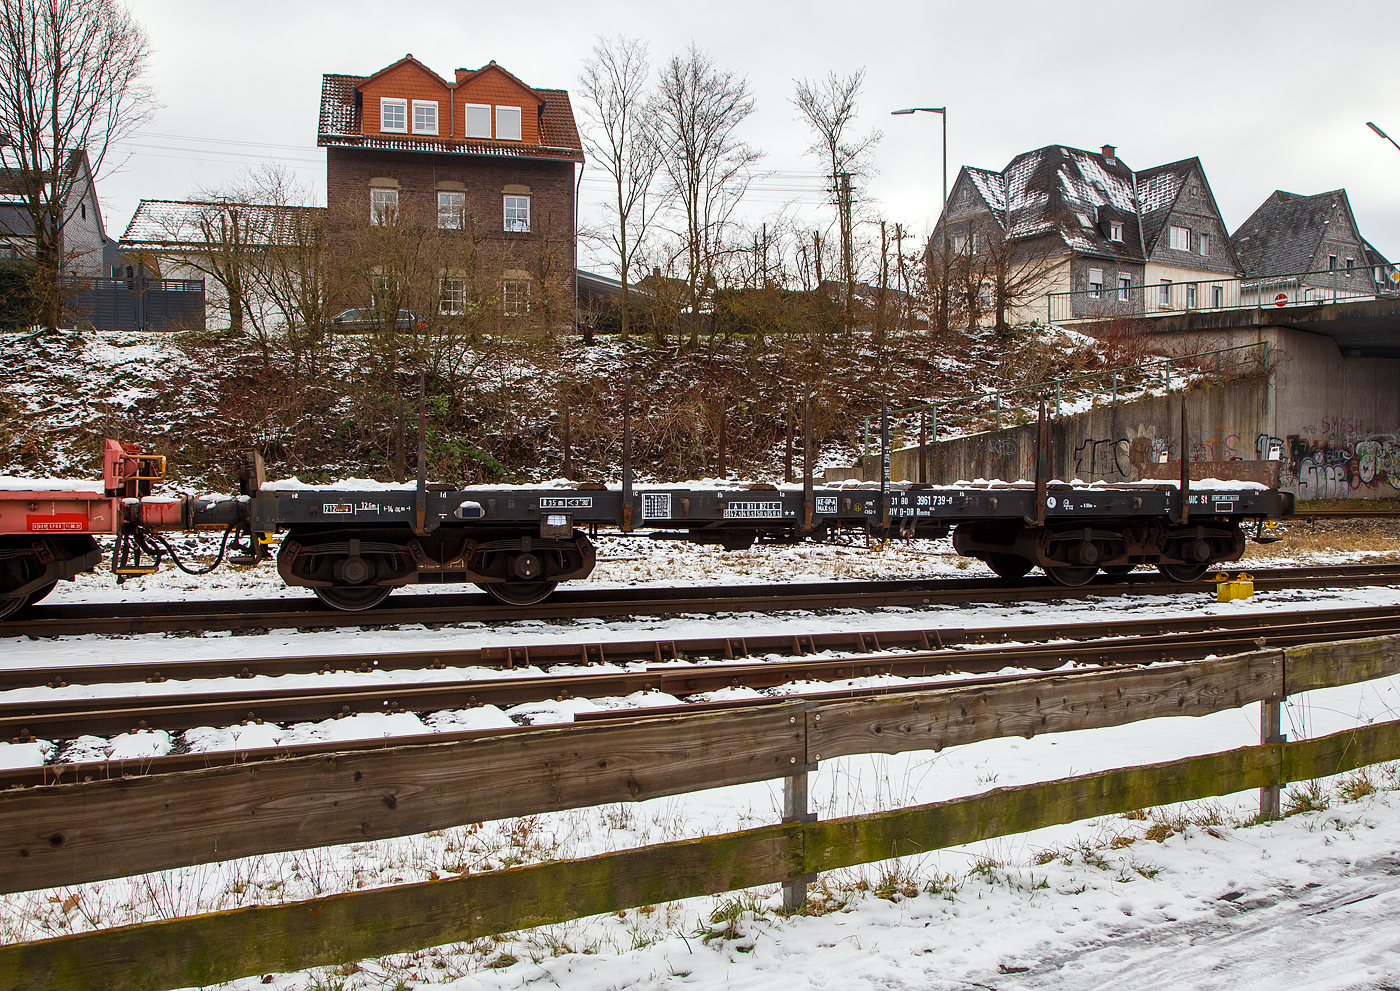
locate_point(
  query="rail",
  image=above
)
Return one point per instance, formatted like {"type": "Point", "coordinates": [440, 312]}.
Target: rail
{"type": "Point", "coordinates": [1348, 281]}
{"type": "Point", "coordinates": [69, 834]}
{"type": "Point", "coordinates": [1149, 368]}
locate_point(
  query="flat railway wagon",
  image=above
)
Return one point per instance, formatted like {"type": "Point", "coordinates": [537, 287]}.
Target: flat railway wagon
{"type": "Point", "coordinates": [354, 543]}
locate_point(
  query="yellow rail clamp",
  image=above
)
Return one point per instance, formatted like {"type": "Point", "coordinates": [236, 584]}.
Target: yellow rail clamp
{"type": "Point", "coordinates": [1227, 590]}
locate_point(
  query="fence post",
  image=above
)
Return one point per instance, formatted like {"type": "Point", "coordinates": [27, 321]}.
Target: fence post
{"type": "Point", "coordinates": [865, 442]}
{"type": "Point", "coordinates": [1266, 356]}
{"type": "Point", "coordinates": [998, 410]}
{"type": "Point", "coordinates": [1057, 397]}
{"type": "Point", "coordinates": [795, 810]}
{"type": "Point", "coordinates": [1115, 386]}
{"type": "Point", "coordinates": [1270, 732]}
{"type": "Point", "coordinates": [1167, 373]}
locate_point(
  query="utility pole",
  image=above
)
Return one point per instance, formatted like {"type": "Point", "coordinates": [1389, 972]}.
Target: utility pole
{"type": "Point", "coordinates": [843, 203]}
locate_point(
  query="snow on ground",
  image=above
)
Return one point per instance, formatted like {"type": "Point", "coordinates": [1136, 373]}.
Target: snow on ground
{"type": "Point", "coordinates": [1307, 902]}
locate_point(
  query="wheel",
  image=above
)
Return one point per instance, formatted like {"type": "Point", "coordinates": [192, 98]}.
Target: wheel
{"type": "Point", "coordinates": [518, 593]}
{"type": "Point", "coordinates": [353, 598]}
{"type": "Point", "coordinates": [1009, 565]}
{"type": "Point", "coordinates": [17, 572]}
{"type": "Point", "coordinates": [10, 605]}
{"type": "Point", "coordinates": [1071, 577]}
{"type": "Point", "coordinates": [1118, 570]}
{"type": "Point", "coordinates": [1183, 572]}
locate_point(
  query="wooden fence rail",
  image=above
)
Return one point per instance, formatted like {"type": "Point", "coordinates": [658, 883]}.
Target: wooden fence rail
{"type": "Point", "coordinates": [60, 834]}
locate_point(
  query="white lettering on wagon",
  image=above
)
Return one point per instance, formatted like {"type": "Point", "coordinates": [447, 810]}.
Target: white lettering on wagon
{"type": "Point", "coordinates": [753, 511]}
{"type": "Point", "coordinates": [566, 502]}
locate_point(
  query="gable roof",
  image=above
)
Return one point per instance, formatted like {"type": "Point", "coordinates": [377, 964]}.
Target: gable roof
{"type": "Point", "coordinates": [406, 60]}
{"type": "Point", "coordinates": [180, 224]}
{"type": "Point", "coordinates": [339, 124]}
{"type": "Point", "coordinates": [467, 76]}
{"type": "Point", "coordinates": [1284, 234]}
{"type": "Point", "coordinates": [1158, 189]}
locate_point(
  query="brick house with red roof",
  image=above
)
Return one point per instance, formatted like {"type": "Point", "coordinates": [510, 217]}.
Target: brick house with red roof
{"type": "Point", "coordinates": [483, 151]}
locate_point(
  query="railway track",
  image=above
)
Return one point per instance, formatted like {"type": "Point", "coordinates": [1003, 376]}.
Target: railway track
{"type": "Point", "coordinates": [267, 614]}
{"type": "Point", "coordinates": [65, 717]}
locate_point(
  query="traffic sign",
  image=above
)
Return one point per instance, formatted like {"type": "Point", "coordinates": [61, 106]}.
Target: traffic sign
{"type": "Point", "coordinates": [1281, 299]}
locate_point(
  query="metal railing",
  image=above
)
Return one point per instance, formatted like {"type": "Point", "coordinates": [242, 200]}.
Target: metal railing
{"type": "Point", "coordinates": [1134, 299]}
{"type": "Point", "coordinates": [1149, 371]}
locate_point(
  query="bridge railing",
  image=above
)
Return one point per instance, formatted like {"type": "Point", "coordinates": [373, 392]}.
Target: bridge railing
{"type": "Point", "coordinates": [990, 409]}
{"type": "Point", "coordinates": [1130, 298]}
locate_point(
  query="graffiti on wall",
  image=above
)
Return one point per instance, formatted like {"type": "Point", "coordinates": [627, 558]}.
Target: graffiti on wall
{"type": "Point", "coordinates": [1121, 457]}
{"type": "Point", "coordinates": [1332, 467]}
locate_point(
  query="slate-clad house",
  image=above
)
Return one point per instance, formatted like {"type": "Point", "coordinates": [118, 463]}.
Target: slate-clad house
{"type": "Point", "coordinates": [87, 252]}
{"type": "Point", "coordinates": [483, 150]}
{"type": "Point", "coordinates": [1122, 241]}
{"type": "Point", "coordinates": [1309, 248]}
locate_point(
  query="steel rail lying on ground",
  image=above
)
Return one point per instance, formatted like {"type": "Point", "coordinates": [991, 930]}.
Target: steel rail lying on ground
{"type": "Point", "coordinates": [568, 653]}
{"type": "Point", "coordinates": [65, 718]}
{"type": "Point", "coordinates": [220, 615]}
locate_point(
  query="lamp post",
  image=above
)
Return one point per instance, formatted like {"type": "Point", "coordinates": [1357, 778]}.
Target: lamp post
{"type": "Point", "coordinates": [943, 216]}
{"type": "Point", "coordinates": [1382, 133]}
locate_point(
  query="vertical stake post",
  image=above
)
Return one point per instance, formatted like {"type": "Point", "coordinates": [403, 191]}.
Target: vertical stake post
{"type": "Point", "coordinates": [568, 446]}
{"type": "Point", "coordinates": [1042, 465]}
{"type": "Point", "coordinates": [1185, 468]}
{"type": "Point", "coordinates": [884, 466]}
{"type": "Point", "coordinates": [420, 502]}
{"type": "Point", "coordinates": [627, 458]}
{"type": "Point", "coordinates": [400, 455]}
{"type": "Point", "coordinates": [795, 810]}
{"type": "Point", "coordinates": [723, 425]}
{"type": "Point", "coordinates": [787, 451]}
{"type": "Point", "coordinates": [809, 503]}
{"type": "Point", "coordinates": [923, 449]}
{"type": "Point", "coordinates": [1270, 732]}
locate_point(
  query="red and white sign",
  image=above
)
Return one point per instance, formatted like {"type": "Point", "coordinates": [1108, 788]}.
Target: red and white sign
{"type": "Point", "coordinates": [1281, 299]}
{"type": "Point", "coordinates": [56, 521]}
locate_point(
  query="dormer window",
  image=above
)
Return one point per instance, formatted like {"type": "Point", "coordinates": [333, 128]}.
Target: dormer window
{"type": "Point", "coordinates": [1115, 232]}
{"type": "Point", "coordinates": [393, 115]}
{"type": "Point", "coordinates": [425, 117]}
{"type": "Point", "coordinates": [507, 123]}
{"type": "Point", "coordinates": [478, 121]}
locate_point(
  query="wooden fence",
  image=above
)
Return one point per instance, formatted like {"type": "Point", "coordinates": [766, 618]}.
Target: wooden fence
{"type": "Point", "coordinates": [65, 834]}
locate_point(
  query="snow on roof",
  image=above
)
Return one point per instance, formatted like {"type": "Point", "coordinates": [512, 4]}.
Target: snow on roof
{"type": "Point", "coordinates": [189, 223]}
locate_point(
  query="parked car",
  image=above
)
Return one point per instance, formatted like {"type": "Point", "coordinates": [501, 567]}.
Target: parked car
{"type": "Point", "coordinates": [364, 320]}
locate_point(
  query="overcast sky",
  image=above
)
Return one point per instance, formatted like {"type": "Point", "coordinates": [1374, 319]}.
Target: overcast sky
{"type": "Point", "coordinates": [1269, 95]}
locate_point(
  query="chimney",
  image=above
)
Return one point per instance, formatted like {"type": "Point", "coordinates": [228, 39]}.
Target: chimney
{"type": "Point", "coordinates": [1108, 154]}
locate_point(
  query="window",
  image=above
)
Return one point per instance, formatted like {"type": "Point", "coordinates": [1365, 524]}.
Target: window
{"type": "Point", "coordinates": [972, 243]}
{"type": "Point", "coordinates": [515, 297]}
{"type": "Point", "coordinates": [425, 117]}
{"type": "Point", "coordinates": [518, 213]}
{"type": "Point", "coordinates": [1181, 239]}
{"type": "Point", "coordinates": [82, 208]}
{"type": "Point", "coordinates": [393, 115]}
{"type": "Point", "coordinates": [478, 121]}
{"type": "Point", "coordinates": [507, 123]}
{"type": "Point", "coordinates": [452, 297]}
{"type": "Point", "coordinates": [1217, 295]}
{"type": "Point", "coordinates": [1125, 282]}
{"type": "Point", "coordinates": [1095, 282]}
{"type": "Point", "coordinates": [1205, 243]}
{"type": "Point", "coordinates": [1351, 266]}
{"type": "Point", "coordinates": [452, 208]}
{"type": "Point", "coordinates": [383, 205]}
{"type": "Point", "coordinates": [1191, 296]}
{"type": "Point", "coordinates": [1164, 293]}
{"type": "Point", "coordinates": [1115, 232]}
{"type": "Point", "coordinates": [1331, 263]}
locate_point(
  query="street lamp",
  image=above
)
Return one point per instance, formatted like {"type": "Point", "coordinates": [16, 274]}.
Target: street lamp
{"type": "Point", "coordinates": [942, 217]}
{"type": "Point", "coordinates": [1381, 133]}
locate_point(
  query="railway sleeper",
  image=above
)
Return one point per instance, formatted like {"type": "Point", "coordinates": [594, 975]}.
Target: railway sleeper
{"type": "Point", "coordinates": [1072, 554]}
{"type": "Point", "coordinates": [356, 570]}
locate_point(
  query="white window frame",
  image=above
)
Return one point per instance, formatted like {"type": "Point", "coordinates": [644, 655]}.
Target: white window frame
{"type": "Point", "coordinates": [423, 105]}
{"type": "Point", "coordinates": [1217, 297]}
{"type": "Point", "coordinates": [503, 117]}
{"type": "Point", "coordinates": [1164, 293]}
{"type": "Point", "coordinates": [515, 297]}
{"type": "Point", "coordinates": [467, 131]}
{"type": "Point", "coordinates": [1095, 283]}
{"type": "Point", "coordinates": [1351, 268]}
{"type": "Point", "coordinates": [1180, 235]}
{"type": "Point", "coordinates": [515, 224]}
{"type": "Point", "coordinates": [1115, 232]}
{"type": "Point", "coordinates": [401, 105]}
{"type": "Point", "coordinates": [1331, 263]}
{"type": "Point", "coordinates": [1191, 295]}
{"type": "Point", "coordinates": [1204, 240]}
{"type": "Point", "coordinates": [450, 218]}
{"type": "Point", "coordinates": [383, 205]}
{"type": "Point", "coordinates": [452, 296]}
{"type": "Point", "coordinates": [1125, 286]}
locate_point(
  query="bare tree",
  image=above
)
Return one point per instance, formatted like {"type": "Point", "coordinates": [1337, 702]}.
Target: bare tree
{"type": "Point", "coordinates": [698, 110]}
{"type": "Point", "coordinates": [622, 141]}
{"type": "Point", "coordinates": [828, 106]}
{"type": "Point", "coordinates": [71, 81]}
